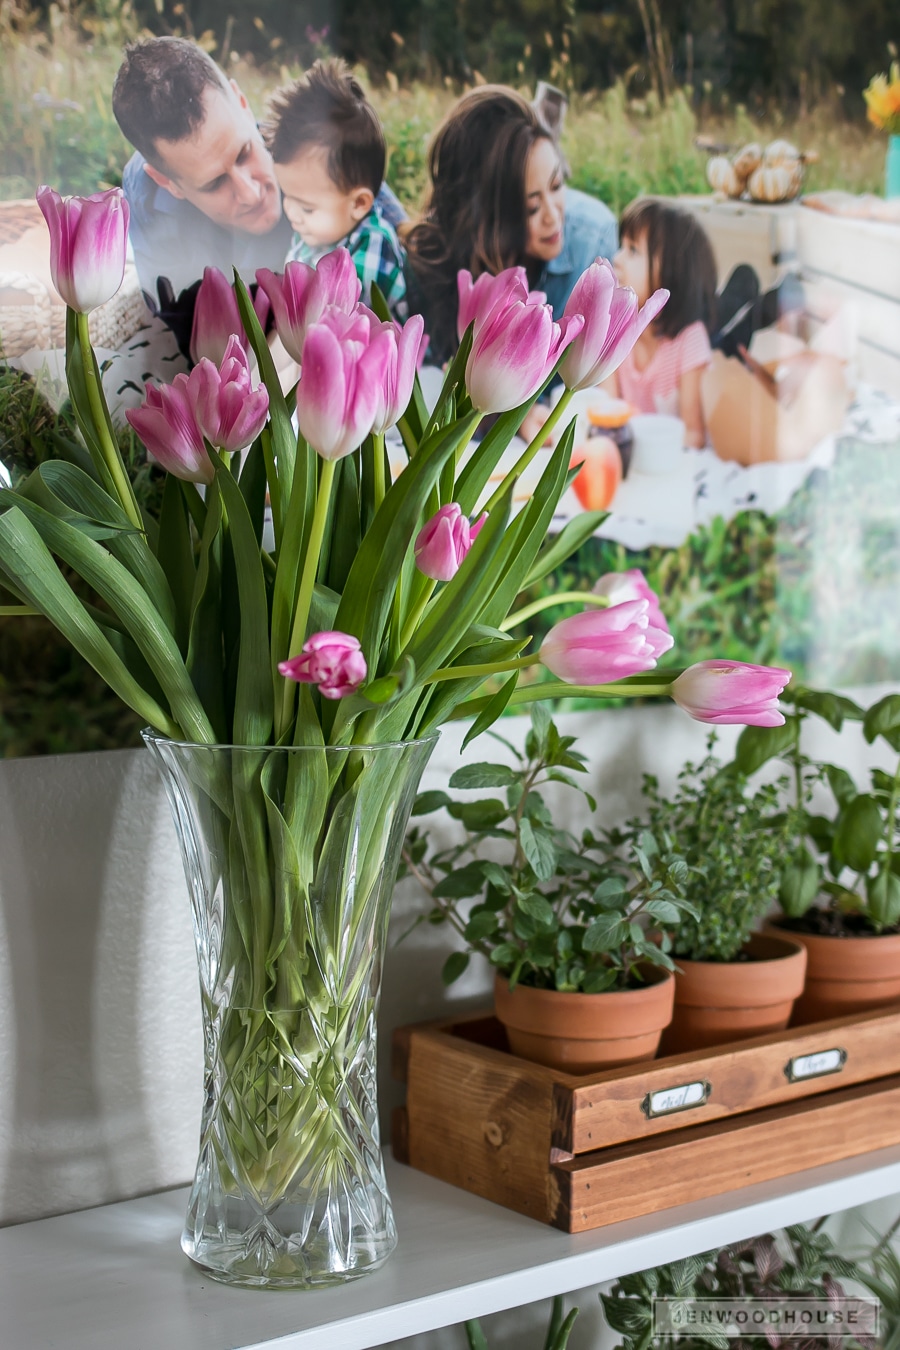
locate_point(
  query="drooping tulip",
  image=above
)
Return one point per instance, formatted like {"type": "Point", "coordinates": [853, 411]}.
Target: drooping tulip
{"type": "Point", "coordinates": [478, 299]}
{"type": "Point", "coordinates": [600, 646]}
{"type": "Point", "coordinates": [444, 540]}
{"type": "Point", "coordinates": [332, 660]}
{"type": "Point", "coordinates": [167, 424]}
{"type": "Point", "coordinates": [229, 411]}
{"type": "Point", "coordinates": [88, 240]}
{"type": "Point", "coordinates": [513, 352]}
{"type": "Point", "coordinates": [404, 346]}
{"type": "Point", "coordinates": [301, 295]}
{"type": "Point", "coordinates": [631, 584]}
{"type": "Point", "coordinates": [612, 324]}
{"type": "Point", "coordinates": [731, 692]}
{"type": "Point", "coordinates": [342, 383]}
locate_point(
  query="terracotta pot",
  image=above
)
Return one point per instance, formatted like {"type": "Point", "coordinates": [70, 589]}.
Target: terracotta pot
{"type": "Point", "coordinates": [846, 974]}
{"type": "Point", "coordinates": [583, 1032]}
{"type": "Point", "coordinates": [718, 1001]}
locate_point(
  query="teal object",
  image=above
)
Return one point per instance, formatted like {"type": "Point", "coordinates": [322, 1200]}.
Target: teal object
{"type": "Point", "coordinates": [892, 168]}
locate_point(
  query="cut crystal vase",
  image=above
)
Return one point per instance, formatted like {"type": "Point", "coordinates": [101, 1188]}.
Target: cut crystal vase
{"type": "Point", "coordinates": [290, 855]}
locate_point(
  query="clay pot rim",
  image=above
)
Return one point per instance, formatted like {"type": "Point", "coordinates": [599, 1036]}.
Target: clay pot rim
{"type": "Point", "coordinates": [783, 940]}
{"type": "Point", "coordinates": [846, 939]}
{"type": "Point", "coordinates": [577, 1016]}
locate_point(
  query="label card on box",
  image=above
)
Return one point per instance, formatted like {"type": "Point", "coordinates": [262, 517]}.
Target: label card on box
{"type": "Point", "coordinates": [815, 1065]}
{"type": "Point", "coordinates": [678, 1098]}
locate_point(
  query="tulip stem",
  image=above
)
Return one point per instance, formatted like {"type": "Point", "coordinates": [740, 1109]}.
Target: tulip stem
{"type": "Point", "coordinates": [630, 688]}
{"type": "Point", "coordinates": [307, 582]}
{"type": "Point", "coordinates": [111, 455]}
{"type": "Point", "coordinates": [415, 618]}
{"type": "Point", "coordinates": [17, 611]}
{"type": "Point", "coordinates": [531, 450]}
{"type": "Point", "coordinates": [378, 445]}
{"type": "Point", "coordinates": [548, 601]}
{"type": "Point", "coordinates": [491, 668]}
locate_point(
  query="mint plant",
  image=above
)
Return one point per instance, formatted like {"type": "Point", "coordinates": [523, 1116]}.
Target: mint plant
{"type": "Point", "coordinates": [852, 855]}
{"type": "Point", "coordinates": [733, 843]}
{"type": "Point", "coordinates": [546, 908]}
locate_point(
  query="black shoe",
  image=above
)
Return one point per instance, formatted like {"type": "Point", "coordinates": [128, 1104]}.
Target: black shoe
{"type": "Point", "coordinates": [735, 306]}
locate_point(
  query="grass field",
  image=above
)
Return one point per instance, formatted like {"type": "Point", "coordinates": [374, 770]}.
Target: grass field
{"type": "Point", "coordinates": [56, 125]}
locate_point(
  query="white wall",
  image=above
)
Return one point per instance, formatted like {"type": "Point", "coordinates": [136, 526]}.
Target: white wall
{"type": "Point", "coordinates": [100, 1046]}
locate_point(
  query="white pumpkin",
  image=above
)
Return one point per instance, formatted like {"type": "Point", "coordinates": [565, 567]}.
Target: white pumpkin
{"type": "Point", "coordinates": [721, 176]}
{"type": "Point", "coordinates": [747, 160]}
{"type": "Point", "coordinates": [775, 182]}
{"type": "Point", "coordinates": [781, 153]}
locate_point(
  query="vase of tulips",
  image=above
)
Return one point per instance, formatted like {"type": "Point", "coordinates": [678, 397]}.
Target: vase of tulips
{"type": "Point", "coordinates": [882, 98]}
{"type": "Point", "coordinates": [293, 682]}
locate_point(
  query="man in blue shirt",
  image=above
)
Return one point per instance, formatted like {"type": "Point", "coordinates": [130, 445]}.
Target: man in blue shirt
{"type": "Point", "coordinates": [201, 185]}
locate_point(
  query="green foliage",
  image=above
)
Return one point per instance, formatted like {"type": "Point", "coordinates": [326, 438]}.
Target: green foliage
{"type": "Point", "coordinates": [558, 1330]}
{"type": "Point", "coordinates": [851, 855]}
{"type": "Point", "coordinates": [798, 1262]}
{"type": "Point", "coordinates": [733, 842]}
{"type": "Point", "coordinates": [556, 911]}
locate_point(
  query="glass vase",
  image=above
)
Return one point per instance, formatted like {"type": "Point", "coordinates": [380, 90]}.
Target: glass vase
{"type": "Point", "coordinates": [892, 168]}
{"type": "Point", "coordinates": [290, 855]}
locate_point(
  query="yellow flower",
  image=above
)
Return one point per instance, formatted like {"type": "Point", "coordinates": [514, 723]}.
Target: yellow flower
{"type": "Point", "coordinates": [883, 100]}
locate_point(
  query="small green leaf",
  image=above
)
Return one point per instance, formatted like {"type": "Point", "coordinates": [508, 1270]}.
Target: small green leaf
{"type": "Point", "coordinates": [461, 882]}
{"type": "Point", "coordinates": [757, 745]}
{"type": "Point", "coordinates": [605, 933]}
{"type": "Point", "coordinates": [454, 966]}
{"type": "Point", "coordinates": [426, 802]}
{"type": "Point", "coordinates": [834, 708]}
{"type": "Point", "coordinates": [883, 894]}
{"type": "Point", "coordinates": [859, 829]}
{"type": "Point", "coordinates": [664, 911]}
{"type": "Point", "coordinates": [539, 849]}
{"type": "Point", "coordinates": [841, 784]}
{"type": "Point", "coordinates": [883, 719]}
{"type": "Point", "coordinates": [536, 907]}
{"type": "Point", "coordinates": [482, 776]}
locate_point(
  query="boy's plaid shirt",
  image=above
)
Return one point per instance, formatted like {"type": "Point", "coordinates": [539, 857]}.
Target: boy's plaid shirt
{"type": "Point", "coordinates": [377, 255]}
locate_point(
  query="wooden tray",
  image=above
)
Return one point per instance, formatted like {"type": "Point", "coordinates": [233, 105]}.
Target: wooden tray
{"type": "Point", "coordinates": [583, 1151]}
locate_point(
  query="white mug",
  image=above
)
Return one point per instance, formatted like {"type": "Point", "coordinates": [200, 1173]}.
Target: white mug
{"type": "Point", "coordinates": [658, 442]}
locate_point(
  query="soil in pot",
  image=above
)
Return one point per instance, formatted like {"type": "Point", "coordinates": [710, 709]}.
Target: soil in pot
{"type": "Point", "coordinates": [580, 1033]}
{"type": "Point", "coordinates": [849, 969]}
{"type": "Point", "coordinates": [720, 1001]}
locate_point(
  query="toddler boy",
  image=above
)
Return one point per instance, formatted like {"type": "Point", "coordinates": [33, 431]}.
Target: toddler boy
{"type": "Point", "coordinates": [329, 151]}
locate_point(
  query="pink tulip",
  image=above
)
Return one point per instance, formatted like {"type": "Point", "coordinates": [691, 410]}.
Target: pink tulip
{"type": "Point", "coordinates": [217, 317]}
{"type": "Point", "coordinates": [88, 238]}
{"type": "Point", "coordinates": [618, 587]}
{"type": "Point", "coordinates": [333, 661]}
{"type": "Point", "coordinates": [478, 299]}
{"type": "Point", "coordinates": [300, 297]}
{"type": "Point", "coordinates": [229, 411]}
{"type": "Point", "coordinates": [404, 347]}
{"type": "Point", "coordinates": [725, 692]}
{"type": "Point", "coordinates": [600, 646]}
{"type": "Point", "coordinates": [167, 424]}
{"type": "Point", "coordinates": [444, 541]}
{"type": "Point", "coordinates": [342, 382]}
{"type": "Point", "coordinates": [513, 352]}
{"type": "Point", "coordinates": [612, 325]}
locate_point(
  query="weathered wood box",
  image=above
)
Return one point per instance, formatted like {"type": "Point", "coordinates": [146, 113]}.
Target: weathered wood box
{"type": "Point", "coordinates": [581, 1152]}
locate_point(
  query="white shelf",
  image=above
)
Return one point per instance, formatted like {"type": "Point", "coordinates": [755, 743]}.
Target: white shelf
{"type": "Point", "coordinates": [115, 1277]}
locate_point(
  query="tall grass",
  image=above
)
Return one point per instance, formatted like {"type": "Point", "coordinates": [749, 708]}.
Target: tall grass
{"type": "Point", "coordinates": [56, 122]}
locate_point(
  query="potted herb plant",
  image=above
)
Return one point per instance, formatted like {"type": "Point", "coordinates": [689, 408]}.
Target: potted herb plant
{"type": "Point", "coordinates": [840, 891]}
{"type": "Point", "coordinates": [577, 934]}
{"type": "Point", "coordinates": [801, 1262]}
{"type": "Point", "coordinates": [730, 982]}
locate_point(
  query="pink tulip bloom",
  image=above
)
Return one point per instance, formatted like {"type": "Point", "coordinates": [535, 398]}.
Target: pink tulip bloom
{"type": "Point", "coordinates": [88, 238]}
{"type": "Point", "coordinates": [478, 299]}
{"type": "Point", "coordinates": [167, 424]}
{"type": "Point", "coordinates": [300, 297]}
{"type": "Point", "coordinates": [342, 383]}
{"type": "Point", "coordinates": [612, 325]}
{"type": "Point", "coordinates": [513, 352]}
{"type": "Point", "coordinates": [444, 541]}
{"type": "Point", "coordinates": [217, 317]}
{"type": "Point", "coordinates": [600, 646]}
{"type": "Point", "coordinates": [726, 692]}
{"type": "Point", "coordinates": [618, 587]}
{"type": "Point", "coordinates": [404, 347]}
{"type": "Point", "coordinates": [331, 660]}
{"type": "Point", "coordinates": [229, 411]}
